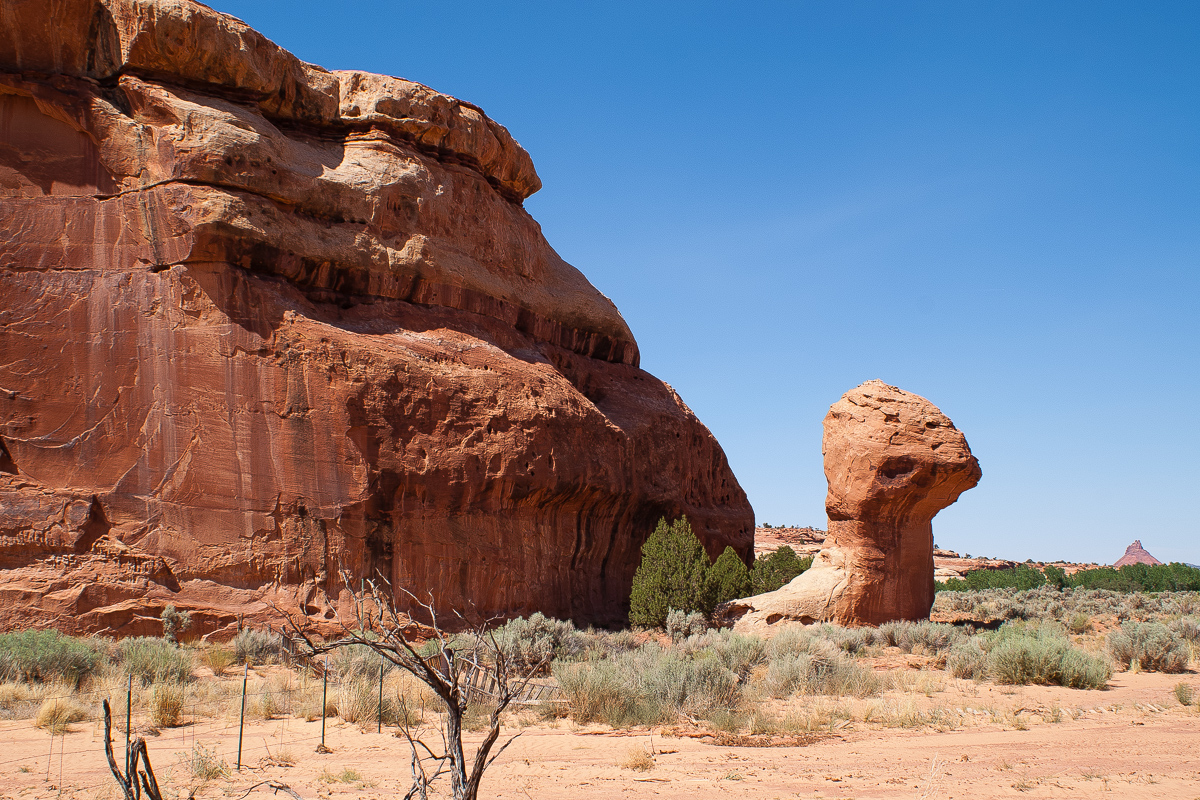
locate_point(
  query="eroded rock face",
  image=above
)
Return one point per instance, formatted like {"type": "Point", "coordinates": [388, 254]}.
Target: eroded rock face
{"type": "Point", "coordinates": [892, 460]}
{"type": "Point", "coordinates": [260, 322]}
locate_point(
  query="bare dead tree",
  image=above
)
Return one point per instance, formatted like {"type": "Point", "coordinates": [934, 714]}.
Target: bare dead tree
{"type": "Point", "coordinates": [446, 668]}
{"type": "Point", "coordinates": [137, 780]}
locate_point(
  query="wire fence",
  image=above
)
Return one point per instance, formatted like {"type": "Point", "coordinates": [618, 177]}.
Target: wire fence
{"type": "Point", "coordinates": [204, 726]}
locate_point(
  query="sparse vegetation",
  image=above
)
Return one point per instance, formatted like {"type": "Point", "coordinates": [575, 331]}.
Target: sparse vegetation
{"type": "Point", "coordinates": [1129, 578]}
{"type": "Point", "coordinates": [153, 661]}
{"type": "Point", "coordinates": [174, 623]}
{"type": "Point", "coordinates": [166, 705]}
{"type": "Point", "coordinates": [203, 763]}
{"type": "Point", "coordinates": [256, 647]}
{"type": "Point", "coordinates": [1149, 646]}
{"type": "Point", "coordinates": [43, 656]}
{"type": "Point", "coordinates": [535, 641]}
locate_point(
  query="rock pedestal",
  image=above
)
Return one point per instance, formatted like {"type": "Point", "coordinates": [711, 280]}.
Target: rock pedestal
{"type": "Point", "coordinates": [892, 461]}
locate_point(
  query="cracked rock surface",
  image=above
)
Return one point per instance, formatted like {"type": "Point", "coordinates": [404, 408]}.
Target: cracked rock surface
{"type": "Point", "coordinates": [261, 322]}
{"type": "Point", "coordinates": [892, 461]}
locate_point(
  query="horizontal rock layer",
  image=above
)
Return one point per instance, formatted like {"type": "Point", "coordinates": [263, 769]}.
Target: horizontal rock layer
{"type": "Point", "coordinates": [261, 322]}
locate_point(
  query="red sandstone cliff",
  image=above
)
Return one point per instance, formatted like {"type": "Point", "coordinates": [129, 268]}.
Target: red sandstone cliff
{"type": "Point", "coordinates": [260, 321]}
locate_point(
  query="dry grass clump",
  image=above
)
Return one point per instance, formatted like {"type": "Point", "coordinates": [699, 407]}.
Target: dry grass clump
{"type": "Point", "coordinates": [1151, 646]}
{"type": "Point", "coordinates": [153, 661]}
{"type": "Point", "coordinates": [257, 647]}
{"type": "Point", "coordinates": [216, 658]}
{"type": "Point", "coordinates": [166, 705]}
{"type": "Point", "coordinates": [651, 684]}
{"type": "Point", "coordinates": [1184, 694]}
{"type": "Point", "coordinates": [56, 715]}
{"type": "Point", "coordinates": [638, 758]}
{"type": "Point", "coordinates": [920, 637]}
{"type": "Point", "coordinates": [204, 763]}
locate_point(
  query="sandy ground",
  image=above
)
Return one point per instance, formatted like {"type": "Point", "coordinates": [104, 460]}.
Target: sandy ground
{"type": "Point", "coordinates": [1133, 740]}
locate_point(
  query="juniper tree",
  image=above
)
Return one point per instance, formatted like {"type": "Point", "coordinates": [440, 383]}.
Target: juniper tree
{"type": "Point", "coordinates": [674, 574]}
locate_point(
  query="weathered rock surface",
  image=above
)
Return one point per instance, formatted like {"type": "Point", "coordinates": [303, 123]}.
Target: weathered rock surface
{"type": "Point", "coordinates": [892, 460]}
{"type": "Point", "coordinates": [1136, 554]}
{"type": "Point", "coordinates": [260, 322]}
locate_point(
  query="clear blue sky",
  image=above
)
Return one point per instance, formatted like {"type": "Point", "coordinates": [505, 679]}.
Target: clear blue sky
{"type": "Point", "coordinates": [994, 205]}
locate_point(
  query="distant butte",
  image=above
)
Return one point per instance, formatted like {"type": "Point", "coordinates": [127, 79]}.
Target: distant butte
{"type": "Point", "coordinates": [1136, 554]}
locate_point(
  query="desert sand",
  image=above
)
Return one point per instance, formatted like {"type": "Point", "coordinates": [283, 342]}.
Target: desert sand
{"type": "Point", "coordinates": [976, 740]}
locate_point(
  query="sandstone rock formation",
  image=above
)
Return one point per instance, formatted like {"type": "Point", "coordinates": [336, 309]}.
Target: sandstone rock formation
{"type": "Point", "coordinates": [260, 322]}
{"type": "Point", "coordinates": [1136, 554]}
{"type": "Point", "coordinates": [892, 460]}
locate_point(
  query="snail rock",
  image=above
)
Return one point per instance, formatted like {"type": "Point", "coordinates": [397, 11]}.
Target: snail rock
{"type": "Point", "coordinates": [892, 460]}
{"type": "Point", "coordinates": [262, 323]}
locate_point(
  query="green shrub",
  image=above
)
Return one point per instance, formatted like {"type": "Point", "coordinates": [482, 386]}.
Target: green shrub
{"type": "Point", "coordinates": [647, 686]}
{"type": "Point", "coordinates": [729, 576]}
{"type": "Point", "coordinates": [152, 660]}
{"type": "Point", "coordinates": [777, 569]}
{"type": "Point", "coordinates": [1151, 645]}
{"type": "Point", "coordinates": [1021, 576]}
{"type": "Point", "coordinates": [681, 625]}
{"type": "Point", "coordinates": [966, 659]}
{"type": "Point", "coordinates": [1042, 654]}
{"type": "Point", "coordinates": [673, 574]}
{"type": "Point", "coordinates": [930, 637]}
{"type": "Point", "coordinates": [39, 656]}
{"type": "Point", "coordinates": [257, 647]}
{"type": "Point", "coordinates": [530, 642]}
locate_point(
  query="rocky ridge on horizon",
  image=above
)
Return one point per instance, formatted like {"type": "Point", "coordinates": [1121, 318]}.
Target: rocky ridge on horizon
{"type": "Point", "coordinates": [262, 322]}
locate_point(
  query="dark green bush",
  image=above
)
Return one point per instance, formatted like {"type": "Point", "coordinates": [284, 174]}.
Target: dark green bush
{"type": "Point", "coordinates": [1129, 578]}
{"type": "Point", "coordinates": [777, 569]}
{"type": "Point", "coordinates": [729, 576]}
{"type": "Point", "coordinates": [37, 656]}
{"type": "Point", "coordinates": [1021, 576]}
{"type": "Point", "coordinates": [674, 574]}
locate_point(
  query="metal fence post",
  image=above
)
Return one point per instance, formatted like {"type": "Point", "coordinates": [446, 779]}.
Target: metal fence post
{"type": "Point", "coordinates": [128, 720]}
{"type": "Point", "coordinates": [324, 700]}
{"type": "Point", "coordinates": [242, 721]}
{"type": "Point", "coordinates": [382, 665]}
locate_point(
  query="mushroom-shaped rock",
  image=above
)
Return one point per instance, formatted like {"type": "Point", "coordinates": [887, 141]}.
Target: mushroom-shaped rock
{"type": "Point", "coordinates": [893, 461]}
